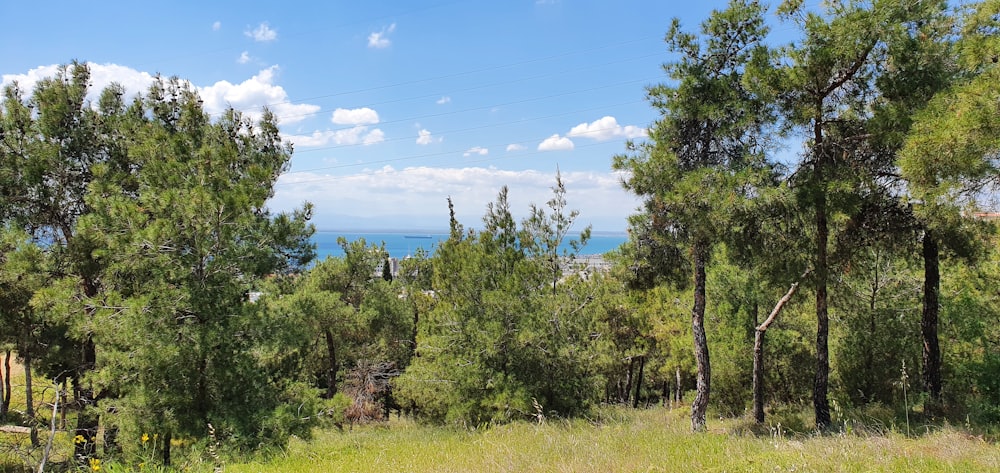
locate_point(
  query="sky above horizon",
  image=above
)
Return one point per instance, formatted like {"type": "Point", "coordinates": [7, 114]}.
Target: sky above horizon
{"type": "Point", "coordinates": [393, 107]}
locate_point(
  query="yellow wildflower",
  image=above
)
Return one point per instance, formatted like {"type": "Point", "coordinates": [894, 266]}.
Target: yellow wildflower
{"type": "Point", "coordinates": [79, 439]}
{"type": "Point", "coordinates": [95, 464]}
{"type": "Point", "coordinates": [145, 438]}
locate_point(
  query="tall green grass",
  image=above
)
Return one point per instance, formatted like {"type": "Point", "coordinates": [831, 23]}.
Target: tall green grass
{"type": "Point", "coordinates": [614, 440]}
{"type": "Point", "coordinates": [15, 448]}
{"type": "Point", "coordinates": [620, 440]}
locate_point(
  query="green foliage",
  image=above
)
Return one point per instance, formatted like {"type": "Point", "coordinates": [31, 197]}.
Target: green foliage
{"type": "Point", "coordinates": [705, 158]}
{"type": "Point", "coordinates": [848, 86]}
{"type": "Point", "coordinates": [943, 156]}
{"type": "Point", "coordinates": [139, 231]}
{"type": "Point", "coordinates": [670, 328]}
{"type": "Point", "coordinates": [740, 302]}
{"type": "Point", "coordinates": [878, 304]}
{"type": "Point", "coordinates": [354, 329]}
{"type": "Point", "coordinates": [734, 312]}
{"type": "Point", "coordinates": [622, 329]}
{"type": "Point", "coordinates": [706, 152]}
{"type": "Point", "coordinates": [179, 244]}
{"type": "Point", "coordinates": [22, 273]}
{"type": "Point", "coordinates": [970, 313]}
{"type": "Point", "coordinates": [503, 332]}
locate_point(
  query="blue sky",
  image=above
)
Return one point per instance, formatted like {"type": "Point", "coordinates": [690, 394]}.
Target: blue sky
{"type": "Point", "coordinates": [393, 106]}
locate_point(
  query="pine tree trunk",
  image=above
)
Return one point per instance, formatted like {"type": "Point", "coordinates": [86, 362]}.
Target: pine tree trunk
{"type": "Point", "coordinates": [638, 382]}
{"type": "Point", "coordinates": [86, 421]}
{"type": "Point", "coordinates": [821, 403]}
{"type": "Point", "coordinates": [62, 413]}
{"type": "Point", "coordinates": [666, 392]}
{"type": "Point", "coordinates": [929, 319]}
{"type": "Point", "coordinates": [703, 381]}
{"type": "Point", "coordinates": [5, 405]}
{"type": "Point", "coordinates": [758, 376]}
{"type": "Point", "coordinates": [680, 391]}
{"type": "Point", "coordinates": [628, 381]}
{"type": "Point", "coordinates": [166, 449]}
{"type": "Point", "coordinates": [29, 398]}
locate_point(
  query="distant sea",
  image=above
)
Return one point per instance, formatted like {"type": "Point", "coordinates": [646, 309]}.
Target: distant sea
{"type": "Point", "coordinates": [401, 244]}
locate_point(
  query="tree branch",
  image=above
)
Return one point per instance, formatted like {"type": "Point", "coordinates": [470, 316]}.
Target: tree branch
{"type": "Point", "coordinates": [781, 303]}
{"type": "Point", "coordinates": [849, 73]}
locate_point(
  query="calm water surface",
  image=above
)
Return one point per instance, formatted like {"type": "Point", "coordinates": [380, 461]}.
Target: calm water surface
{"type": "Point", "coordinates": [401, 244]}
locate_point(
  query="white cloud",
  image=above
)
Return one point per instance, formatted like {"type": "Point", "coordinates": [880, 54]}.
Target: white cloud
{"type": "Point", "coordinates": [443, 100]}
{"type": "Point", "coordinates": [253, 94]}
{"type": "Point", "coordinates": [424, 137]}
{"type": "Point", "coordinates": [606, 128]}
{"type": "Point", "coordinates": [415, 196]}
{"type": "Point", "coordinates": [250, 96]}
{"type": "Point", "coordinates": [262, 34]}
{"type": "Point", "coordinates": [355, 116]}
{"type": "Point", "coordinates": [357, 135]}
{"type": "Point", "coordinates": [244, 57]}
{"type": "Point", "coordinates": [476, 150]}
{"type": "Point", "coordinates": [216, 26]}
{"type": "Point", "coordinates": [101, 76]}
{"type": "Point", "coordinates": [378, 40]}
{"type": "Point", "coordinates": [556, 143]}
{"type": "Point", "coordinates": [316, 139]}
{"type": "Point", "coordinates": [515, 147]}
{"type": "Point", "coordinates": [375, 136]}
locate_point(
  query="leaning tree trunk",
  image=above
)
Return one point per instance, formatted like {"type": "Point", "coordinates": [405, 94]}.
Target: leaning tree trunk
{"type": "Point", "coordinates": [758, 353]}
{"type": "Point", "coordinates": [929, 319]}
{"type": "Point", "coordinates": [703, 378]}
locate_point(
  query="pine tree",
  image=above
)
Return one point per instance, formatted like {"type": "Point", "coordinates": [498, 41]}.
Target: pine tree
{"type": "Point", "coordinates": [704, 154]}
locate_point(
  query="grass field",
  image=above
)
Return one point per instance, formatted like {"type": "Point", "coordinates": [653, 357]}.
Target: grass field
{"type": "Point", "coordinates": [615, 440]}
{"type": "Point", "coordinates": [627, 441]}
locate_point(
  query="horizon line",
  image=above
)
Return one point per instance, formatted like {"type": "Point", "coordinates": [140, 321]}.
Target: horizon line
{"type": "Point", "coordinates": [429, 231]}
